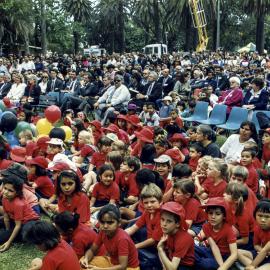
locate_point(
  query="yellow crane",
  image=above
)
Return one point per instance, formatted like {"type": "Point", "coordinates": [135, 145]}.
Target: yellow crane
{"type": "Point", "coordinates": [199, 22]}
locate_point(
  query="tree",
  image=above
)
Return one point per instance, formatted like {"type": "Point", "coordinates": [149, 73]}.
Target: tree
{"type": "Point", "coordinates": [80, 10]}
{"type": "Point", "coordinates": [259, 8]}
{"type": "Point", "coordinates": [43, 26]}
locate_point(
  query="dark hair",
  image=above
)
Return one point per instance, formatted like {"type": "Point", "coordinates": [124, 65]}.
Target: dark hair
{"type": "Point", "coordinates": [151, 104]}
{"type": "Point", "coordinates": [67, 220]}
{"type": "Point", "coordinates": [102, 169]}
{"type": "Point", "coordinates": [192, 104]}
{"type": "Point", "coordinates": [208, 132]}
{"type": "Point", "coordinates": [133, 162]}
{"type": "Point", "coordinates": [104, 141]}
{"type": "Point", "coordinates": [186, 186]}
{"type": "Point", "coordinates": [252, 153]}
{"type": "Point", "coordinates": [40, 171]}
{"type": "Point", "coordinates": [162, 142]}
{"type": "Point", "coordinates": [175, 216]}
{"type": "Point", "coordinates": [146, 176]}
{"type": "Point", "coordinates": [181, 170]}
{"type": "Point", "coordinates": [259, 82]}
{"type": "Point", "coordinates": [69, 174]}
{"type": "Point", "coordinates": [181, 103]}
{"type": "Point", "coordinates": [262, 206]}
{"type": "Point", "coordinates": [148, 153]}
{"type": "Point", "coordinates": [197, 147]}
{"type": "Point", "coordinates": [3, 152]}
{"type": "Point", "coordinates": [116, 159]}
{"type": "Point", "coordinates": [252, 129]}
{"type": "Point", "coordinates": [110, 209]}
{"type": "Point", "coordinates": [16, 182]}
{"type": "Point", "coordinates": [214, 207]}
{"type": "Point", "coordinates": [42, 233]}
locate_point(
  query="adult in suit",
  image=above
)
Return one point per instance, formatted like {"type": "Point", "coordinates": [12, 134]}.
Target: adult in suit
{"type": "Point", "coordinates": [32, 90]}
{"type": "Point", "coordinates": [54, 85]}
{"type": "Point", "coordinates": [5, 85]}
{"type": "Point", "coordinates": [167, 82]}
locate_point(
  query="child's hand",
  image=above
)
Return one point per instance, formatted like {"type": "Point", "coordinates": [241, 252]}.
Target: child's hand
{"type": "Point", "coordinates": [93, 210]}
{"type": "Point", "coordinates": [84, 262]}
{"type": "Point", "coordinates": [5, 247]}
{"type": "Point", "coordinates": [162, 241]}
{"type": "Point", "coordinates": [263, 192]}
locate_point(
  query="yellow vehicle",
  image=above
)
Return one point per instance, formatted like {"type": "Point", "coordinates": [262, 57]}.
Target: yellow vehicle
{"type": "Point", "coordinates": [199, 22]}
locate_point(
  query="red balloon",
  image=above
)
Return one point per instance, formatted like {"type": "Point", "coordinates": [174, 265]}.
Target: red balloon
{"type": "Point", "coordinates": [53, 113]}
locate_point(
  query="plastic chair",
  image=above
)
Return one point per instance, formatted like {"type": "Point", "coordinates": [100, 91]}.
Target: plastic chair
{"type": "Point", "coordinates": [254, 118]}
{"type": "Point", "coordinates": [217, 116]}
{"type": "Point", "coordinates": [236, 117]}
{"type": "Point", "coordinates": [200, 112]}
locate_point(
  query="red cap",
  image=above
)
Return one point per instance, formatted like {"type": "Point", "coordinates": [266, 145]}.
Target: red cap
{"type": "Point", "coordinates": [121, 116]}
{"type": "Point", "coordinates": [133, 119]}
{"type": "Point", "coordinates": [18, 154]}
{"type": "Point", "coordinates": [60, 166]}
{"type": "Point", "coordinates": [179, 137]}
{"type": "Point", "coordinates": [40, 161]}
{"type": "Point", "coordinates": [112, 128]}
{"type": "Point", "coordinates": [145, 135]}
{"type": "Point", "coordinates": [96, 124]}
{"type": "Point", "coordinates": [174, 154]}
{"type": "Point", "coordinates": [30, 148]}
{"type": "Point", "coordinates": [177, 209]}
{"type": "Point", "coordinates": [42, 143]}
{"type": "Point", "coordinates": [217, 201]}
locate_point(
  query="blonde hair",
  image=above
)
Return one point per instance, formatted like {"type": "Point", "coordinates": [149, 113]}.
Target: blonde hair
{"type": "Point", "coordinates": [204, 161]}
{"type": "Point", "coordinates": [239, 171]}
{"type": "Point", "coordinates": [27, 134]}
{"type": "Point", "coordinates": [222, 167]}
{"type": "Point", "coordinates": [151, 190]}
{"type": "Point", "coordinates": [116, 159]}
{"type": "Point", "coordinates": [87, 136]}
{"type": "Point", "coordinates": [120, 146]}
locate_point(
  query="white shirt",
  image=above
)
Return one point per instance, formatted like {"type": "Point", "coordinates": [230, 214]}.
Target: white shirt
{"type": "Point", "coordinates": [16, 92]}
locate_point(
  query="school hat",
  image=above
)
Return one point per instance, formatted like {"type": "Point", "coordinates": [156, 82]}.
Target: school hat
{"type": "Point", "coordinates": [96, 124]}
{"type": "Point", "coordinates": [112, 137]}
{"type": "Point", "coordinates": [179, 137]}
{"type": "Point", "coordinates": [112, 128]}
{"type": "Point", "coordinates": [145, 135]}
{"type": "Point", "coordinates": [30, 148]}
{"type": "Point", "coordinates": [121, 116]}
{"type": "Point", "coordinates": [42, 142]}
{"type": "Point", "coordinates": [174, 154]}
{"type": "Point", "coordinates": [60, 166]}
{"type": "Point", "coordinates": [15, 169]}
{"type": "Point", "coordinates": [62, 158]}
{"type": "Point", "coordinates": [163, 159]}
{"type": "Point", "coordinates": [132, 106]}
{"type": "Point", "coordinates": [18, 154]}
{"type": "Point", "coordinates": [217, 201]}
{"type": "Point", "coordinates": [40, 161]}
{"type": "Point", "coordinates": [168, 98]}
{"type": "Point", "coordinates": [133, 119]}
{"type": "Point", "coordinates": [55, 141]}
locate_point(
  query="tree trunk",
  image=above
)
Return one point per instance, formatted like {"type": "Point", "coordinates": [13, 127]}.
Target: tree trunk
{"type": "Point", "coordinates": [121, 26]}
{"type": "Point", "coordinates": [156, 19]}
{"type": "Point", "coordinates": [260, 33]}
{"type": "Point", "coordinates": [188, 22]}
{"type": "Point", "coordinates": [26, 44]}
{"type": "Point", "coordinates": [76, 41]}
{"type": "Point", "coordinates": [43, 27]}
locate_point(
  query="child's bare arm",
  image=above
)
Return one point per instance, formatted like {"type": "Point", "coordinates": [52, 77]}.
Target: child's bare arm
{"type": "Point", "coordinates": [146, 243]}
{"type": "Point", "coordinates": [167, 196]}
{"type": "Point", "coordinates": [131, 230]}
{"type": "Point", "coordinates": [6, 221]}
{"type": "Point", "coordinates": [231, 259]}
{"type": "Point", "coordinates": [261, 255]}
{"type": "Point", "coordinates": [215, 251]}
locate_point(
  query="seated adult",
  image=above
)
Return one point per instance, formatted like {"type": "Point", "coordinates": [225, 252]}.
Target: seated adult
{"type": "Point", "coordinates": [233, 146]}
{"type": "Point", "coordinates": [5, 84]}
{"type": "Point", "coordinates": [32, 90]}
{"type": "Point", "coordinates": [54, 85]}
{"type": "Point", "coordinates": [17, 89]}
{"type": "Point", "coordinates": [207, 137]}
{"type": "Point", "coordinates": [116, 98]}
{"type": "Point", "coordinates": [257, 97]}
{"type": "Point", "coordinates": [232, 97]}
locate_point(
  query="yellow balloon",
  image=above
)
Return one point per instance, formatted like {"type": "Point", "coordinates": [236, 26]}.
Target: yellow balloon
{"type": "Point", "coordinates": [68, 132]}
{"type": "Point", "coordinates": [43, 126]}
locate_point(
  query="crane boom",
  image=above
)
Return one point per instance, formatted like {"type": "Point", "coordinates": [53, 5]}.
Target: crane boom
{"type": "Point", "coordinates": [199, 22]}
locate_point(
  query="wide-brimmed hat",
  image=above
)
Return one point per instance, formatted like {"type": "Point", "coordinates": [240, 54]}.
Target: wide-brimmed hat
{"type": "Point", "coordinates": [112, 128]}
{"type": "Point", "coordinates": [17, 170]}
{"type": "Point", "coordinates": [42, 142]}
{"type": "Point", "coordinates": [40, 161]}
{"type": "Point", "coordinates": [55, 141]}
{"type": "Point", "coordinates": [133, 119]}
{"type": "Point", "coordinates": [145, 135]}
{"type": "Point", "coordinates": [174, 154]}
{"type": "Point", "coordinates": [178, 137]}
{"type": "Point", "coordinates": [60, 166]}
{"type": "Point", "coordinates": [96, 124]}
{"type": "Point", "coordinates": [18, 154]}
{"type": "Point", "coordinates": [112, 136]}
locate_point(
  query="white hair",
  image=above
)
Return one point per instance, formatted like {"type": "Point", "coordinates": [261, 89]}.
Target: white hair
{"type": "Point", "coordinates": [235, 79]}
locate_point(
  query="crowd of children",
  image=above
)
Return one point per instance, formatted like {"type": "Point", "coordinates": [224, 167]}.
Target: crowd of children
{"type": "Point", "coordinates": [137, 194]}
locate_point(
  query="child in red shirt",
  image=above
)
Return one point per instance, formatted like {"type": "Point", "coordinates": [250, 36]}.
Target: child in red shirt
{"type": "Point", "coordinates": [184, 192]}
{"type": "Point", "coordinates": [176, 247]}
{"type": "Point", "coordinates": [161, 145]}
{"type": "Point", "coordinates": [222, 250]}
{"type": "Point", "coordinates": [119, 246]}
{"type": "Point", "coordinates": [18, 214]}
{"type": "Point", "coordinates": [266, 147]}
{"type": "Point", "coordinates": [252, 181]}
{"type": "Point", "coordinates": [97, 131]}
{"type": "Point", "coordinates": [59, 255]}
{"type": "Point", "coordinates": [178, 140]}
{"type": "Point", "coordinates": [259, 256]}
{"type": "Point", "coordinates": [195, 153]}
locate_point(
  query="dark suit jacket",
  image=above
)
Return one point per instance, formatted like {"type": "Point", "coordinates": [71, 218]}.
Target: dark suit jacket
{"type": "Point", "coordinates": [5, 87]}
{"type": "Point", "coordinates": [89, 90]}
{"type": "Point", "coordinates": [34, 93]}
{"type": "Point", "coordinates": [57, 86]}
{"type": "Point", "coordinates": [156, 92]}
{"type": "Point", "coordinates": [260, 102]}
{"type": "Point", "coordinates": [168, 86]}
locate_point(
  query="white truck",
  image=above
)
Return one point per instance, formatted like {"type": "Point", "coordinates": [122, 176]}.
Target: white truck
{"type": "Point", "coordinates": [156, 49]}
{"type": "Point", "coordinates": [94, 50]}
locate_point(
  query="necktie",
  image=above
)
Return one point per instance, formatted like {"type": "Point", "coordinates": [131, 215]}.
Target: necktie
{"type": "Point", "coordinates": [150, 89]}
{"type": "Point", "coordinates": [52, 86]}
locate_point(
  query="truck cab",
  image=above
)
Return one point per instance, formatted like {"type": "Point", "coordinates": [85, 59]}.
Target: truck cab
{"type": "Point", "coordinates": [156, 49]}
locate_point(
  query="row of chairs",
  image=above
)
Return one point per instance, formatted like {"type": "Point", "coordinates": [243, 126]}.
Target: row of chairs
{"type": "Point", "coordinates": [218, 116]}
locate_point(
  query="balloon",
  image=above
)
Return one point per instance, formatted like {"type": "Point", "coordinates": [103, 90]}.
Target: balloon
{"type": "Point", "coordinates": [58, 133]}
{"type": "Point", "coordinates": [11, 138]}
{"type": "Point", "coordinates": [8, 121]}
{"type": "Point", "coordinates": [21, 126]}
{"type": "Point", "coordinates": [68, 132]}
{"type": "Point", "coordinates": [2, 106]}
{"type": "Point", "coordinates": [53, 113]}
{"type": "Point", "coordinates": [43, 126]}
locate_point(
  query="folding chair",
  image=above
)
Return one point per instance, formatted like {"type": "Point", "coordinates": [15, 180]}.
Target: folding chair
{"type": "Point", "coordinates": [254, 119]}
{"type": "Point", "coordinates": [217, 116]}
{"type": "Point", "coordinates": [200, 112]}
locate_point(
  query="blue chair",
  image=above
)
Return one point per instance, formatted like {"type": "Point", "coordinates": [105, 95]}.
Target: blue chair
{"type": "Point", "coordinates": [217, 116]}
{"type": "Point", "coordinates": [236, 117]}
{"type": "Point", "coordinates": [254, 118]}
{"type": "Point", "coordinates": [200, 112]}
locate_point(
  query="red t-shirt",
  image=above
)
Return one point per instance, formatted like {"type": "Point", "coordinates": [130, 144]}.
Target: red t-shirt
{"type": "Point", "coordinates": [180, 245]}
{"type": "Point", "coordinates": [62, 257]}
{"type": "Point", "coordinates": [45, 186]}
{"type": "Point", "coordinates": [19, 210]}
{"type": "Point", "coordinates": [107, 193]}
{"type": "Point", "coordinates": [119, 245]}
{"type": "Point", "coordinates": [222, 238]}
{"type": "Point", "coordinates": [193, 211]}
{"type": "Point", "coordinates": [98, 159]}
{"type": "Point", "coordinates": [261, 237]}
{"type": "Point", "coordinates": [214, 190]}
{"type": "Point", "coordinates": [136, 151]}
{"type": "Point", "coordinates": [152, 225]}
{"type": "Point", "coordinates": [79, 204]}
{"type": "Point", "coordinates": [266, 153]}
{"type": "Point", "coordinates": [87, 150]}
{"type": "Point", "coordinates": [4, 164]}
{"type": "Point", "coordinates": [82, 239]}
{"type": "Point", "coordinates": [253, 178]}
{"type": "Point", "coordinates": [193, 163]}
{"type": "Point", "coordinates": [251, 201]}
{"type": "Point", "coordinates": [257, 163]}
{"type": "Point", "coordinates": [128, 182]}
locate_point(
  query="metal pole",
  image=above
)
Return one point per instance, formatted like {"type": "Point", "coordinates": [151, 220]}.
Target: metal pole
{"type": "Point", "coordinates": [218, 25]}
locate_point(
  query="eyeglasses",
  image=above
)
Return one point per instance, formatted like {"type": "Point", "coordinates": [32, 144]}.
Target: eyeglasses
{"type": "Point", "coordinates": [117, 80]}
